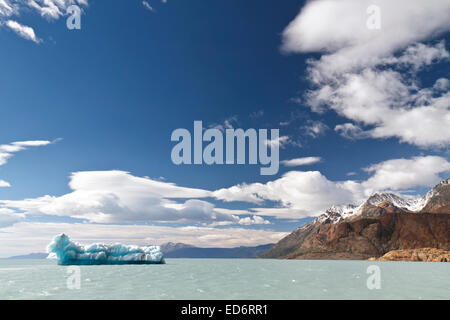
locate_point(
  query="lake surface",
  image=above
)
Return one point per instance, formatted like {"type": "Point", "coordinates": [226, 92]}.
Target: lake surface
{"type": "Point", "coordinates": [224, 279]}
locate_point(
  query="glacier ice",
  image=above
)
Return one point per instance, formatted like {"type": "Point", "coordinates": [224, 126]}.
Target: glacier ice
{"type": "Point", "coordinates": [67, 252]}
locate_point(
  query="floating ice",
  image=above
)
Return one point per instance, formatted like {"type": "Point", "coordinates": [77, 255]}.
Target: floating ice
{"type": "Point", "coordinates": [71, 253]}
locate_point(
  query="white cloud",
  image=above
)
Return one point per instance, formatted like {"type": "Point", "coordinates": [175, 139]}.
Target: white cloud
{"type": "Point", "coordinates": [280, 142]}
{"type": "Point", "coordinates": [368, 76]}
{"type": "Point", "coordinates": [4, 183]}
{"type": "Point", "coordinates": [390, 107]}
{"type": "Point", "coordinates": [7, 150]}
{"type": "Point", "coordinates": [9, 217]}
{"type": "Point", "coordinates": [48, 9]}
{"type": "Point", "coordinates": [147, 6]}
{"type": "Point", "coordinates": [340, 29]}
{"type": "Point", "coordinates": [252, 220]}
{"type": "Point", "coordinates": [441, 84]}
{"type": "Point", "coordinates": [22, 30]}
{"type": "Point", "coordinates": [247, 221]}
{"type": "Point", "coordinates": [398, 174]}
{"type": "Point", "coordinates": [7, 8]}
{"type": "Point", "coordinates": [32, 143]}
{"type": "Point", "coordinates": [281, 213]}
{"type": "Point", "coordinates": [301, 161]}
{"type": "Point", "coordinates": [26, 237]}
{"type": "Point", "coordinates": [116, 180]}
{"type": "Point", "coordinates": [351, 131]}
{"type": "Point", "coordinates": [419, 55]}
{"type": "Point", "coordinates": [234, 211]}
{"type": "Point", "coordinates": [117, 196]}
{"type": "Point", "coordinates": [52, 9]}
{"type": "Point", "coordinates": [309, 193]}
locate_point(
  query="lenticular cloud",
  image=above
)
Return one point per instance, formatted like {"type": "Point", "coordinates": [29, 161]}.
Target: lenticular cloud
{"type": "Point", "coordinates": [67, 252]}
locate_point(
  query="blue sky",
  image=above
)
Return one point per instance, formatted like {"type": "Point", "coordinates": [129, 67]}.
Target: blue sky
{"type": "Point", "coordinates": [371, 105]}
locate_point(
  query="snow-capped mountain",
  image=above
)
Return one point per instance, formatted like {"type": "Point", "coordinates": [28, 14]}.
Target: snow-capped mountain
{"type": "Point", "coordinates": [338, 213]}
{"type": "Point", "coordinates": [383, 223]}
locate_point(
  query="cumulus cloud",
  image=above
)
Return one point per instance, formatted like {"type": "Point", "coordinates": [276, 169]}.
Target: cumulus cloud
{"type": "Point", "coordinates": [22, 30]}
{"type": "Point", "coordinates": [117, 196]}
{"type": "Point", "coordinates": [398, 174]}
{"type": "Point", "coordinates": [309, 193]}
{"type": "Point", "coordinates": [48, 9]}
{"type": "Point", "coordinates": [7, 8]}
{"type": "Point", "coordinates": [26, 237]}
{"type": "Point", "coordinates": [9, 217]}
{"type": "Point", "coordinates": [368, 76]}
{"type": "Point", "coordinates": [390, 107]}
{"type": "Point", "coordinates": [301, 161]}
{"type": "Point", "coordinates": [4, 183]}
{"type": "Point", "coordinates": [52, 9]}
{"type": "Point", "coordinates": [340, 29]}
{"type": "Point", "coordinates": [252, 220]}
{"type": "Point", "coordinates": [351, 131]}
{"type": "Point", "coordinates": [419, 55]}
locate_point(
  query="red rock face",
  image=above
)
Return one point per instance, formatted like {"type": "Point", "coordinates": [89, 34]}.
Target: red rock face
{"type": "Point", "coordinates": [374, 232]}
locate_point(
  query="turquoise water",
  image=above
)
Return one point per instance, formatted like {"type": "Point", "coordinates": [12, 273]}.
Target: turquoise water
{"type": "Point", "coordinates": [226, 279]}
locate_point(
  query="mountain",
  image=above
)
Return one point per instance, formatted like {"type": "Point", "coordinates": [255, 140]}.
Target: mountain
{"type": "Point", "coordinates": [181, 250]}
{"type": "Point", "coordinates": [171, 247]}
{"type": "Point", "coordinates": [36, 255]}
{"type": "Point", "coordinates": [383, 223]}
{"type": "Point", "coordinates": [438, 199]}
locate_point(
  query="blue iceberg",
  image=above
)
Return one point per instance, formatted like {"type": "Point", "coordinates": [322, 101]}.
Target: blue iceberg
{"type": "Point", "coordinates": [67, 252]}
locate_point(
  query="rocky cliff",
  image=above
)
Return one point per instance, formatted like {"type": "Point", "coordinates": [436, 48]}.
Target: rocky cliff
{"type": "Point", "coordinates": [383, 223]}
{"type": "Point", "coordinates": [423, 254]}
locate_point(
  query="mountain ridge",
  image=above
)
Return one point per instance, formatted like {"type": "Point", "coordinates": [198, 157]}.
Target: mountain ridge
{"type": "Point", "coordinates": [382, 223]}
{"type": "Point", "coordinates": [183, 250]}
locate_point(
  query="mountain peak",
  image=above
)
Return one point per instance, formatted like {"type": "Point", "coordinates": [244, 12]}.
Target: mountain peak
{"type": "Point", "coordinates": [441, 191]}
{"type": "Point", "coordinates": [336, 213]}
{"type": "Point", "coordinates": [438, 198]}
{"type": "Point", "coordinates": [384, 222]}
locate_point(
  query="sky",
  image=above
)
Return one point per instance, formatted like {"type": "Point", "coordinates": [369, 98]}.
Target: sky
{"type": "Point", "coordinates": [359, 91]}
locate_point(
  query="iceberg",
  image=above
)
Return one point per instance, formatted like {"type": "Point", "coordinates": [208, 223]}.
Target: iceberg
{"type": "Point", "coordinates": [67, 252]}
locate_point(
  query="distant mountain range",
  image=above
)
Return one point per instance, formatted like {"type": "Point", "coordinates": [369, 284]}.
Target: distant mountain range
{"type": "Point", "coordinates": [385, 226]}
{"type": "Point", "coordinates": [181, 250]}
{"type": "Point", "coordinates": [36, 255]}
{"type": "Point", "coordinates": [384, 222]}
